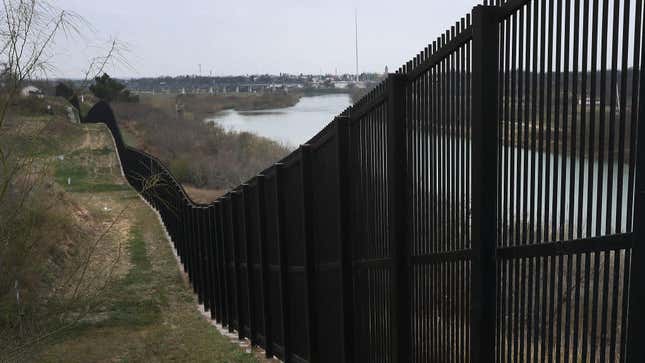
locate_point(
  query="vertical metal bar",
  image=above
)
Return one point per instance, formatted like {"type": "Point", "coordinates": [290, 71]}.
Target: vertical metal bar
{"type": "Point", "coordinates": [600, 208]}
{"type": "Point", "coordinates": [195, 251]}
{"type": "Point", "coordinates": [523, 217]}
{"type": "Point", "coordinates": [264, 261]}
{"type": "Point", "coordinates": [505, 199]}
{"type": "Point", "coordinates": [396, 176]}
{"type": "Point", "coordinates": [541, 128]}
{"type": "Point", "coordinates": [189, 241]}
{"type": "Point", "coordinates": [513, 191]}
{"type": "Point", "coordinates": [213, 282]}
{"type": "Point", "coordinates": [184, 234]}
{"type": "Point", "coordinates": [573, 160]}
{"type": "Point", "coordinates": [624, 72]}
{"type": "Point", "coordinates": [204, 255]}
{"type": "Point", "coordinates": [284, 288]}
{"type": "Point", "coordinates": [217, 271]}
{"type": "Point", "coordinates": [610, 178]}
{"type": "Point", "coordinates": [222, 263]}
{"type": "Point", "coordinates": [624, 305]}
{"type": "Point", "coordinates": [237, 241]}
{"type": "Point", "coordinates": [192, 248]}
{"type": "Point", "coordinates": [556, 139]}
{"type": "Point", "coordinates": [234, 311]}
{"type": "Point", "coordinates": [504, 83]}
{"type": "Point", "coordinates": [526, 150]}
{"type": "Point", "coordinates": [484, 183]}
{"type": "Point", "coordinates": [633, 120]}
{"type": "Point", "coordinates": [592, 115]}
{"type": "Point", "coordinates": [207, 259]}
{"type": "Point", "coordinates": [636, 334]}
{"type": "Point", "coordinates": [310, 263]}
{"type": "Point", "coordinates": [226, 306]}
{"type": "Point", "coordinates": [249, 268]}
{"type": "Point", "coordinates": [583, 118]}
{"type": "Point", "coordinates": [344, 182]}
{"type": "Point", "coordinates": [199, 256]}
{"type": "Point", "coordinates": [510, 148]}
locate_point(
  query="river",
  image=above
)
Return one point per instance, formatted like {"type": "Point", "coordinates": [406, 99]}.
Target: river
{"type": "Point", "coordinates": [297, 124]}
{"type": "Point", "coordinates": [291, 125]}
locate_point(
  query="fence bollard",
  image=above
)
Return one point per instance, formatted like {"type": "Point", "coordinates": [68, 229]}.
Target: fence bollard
{"type": "Point", "coordinates": [485, 50]}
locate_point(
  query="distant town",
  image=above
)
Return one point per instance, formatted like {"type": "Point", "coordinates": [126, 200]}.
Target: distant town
{"type": "Point", "coordinates": [194, 84]}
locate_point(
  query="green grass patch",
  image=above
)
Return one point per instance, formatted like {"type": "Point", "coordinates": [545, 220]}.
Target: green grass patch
{"type": "Point", "coordinates": [80, 180]}
{"type": "Point", "coordinates": [85, 152]}
{"type": "Point", "coordinates": [68, 170]}
{"type": "Point", "coordinates": [133, 303]}
{"type": "Point", "coordinates": [139, 258]}
{"type": "Point", "coordinates": [96, 188]}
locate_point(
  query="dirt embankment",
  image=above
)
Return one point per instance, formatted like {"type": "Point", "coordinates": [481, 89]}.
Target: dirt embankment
{"type": "Point", "coordinates": [102, 283]}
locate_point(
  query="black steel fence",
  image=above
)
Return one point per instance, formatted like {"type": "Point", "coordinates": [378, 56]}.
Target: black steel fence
{"type": "Point", "coordinates": [482, 204]}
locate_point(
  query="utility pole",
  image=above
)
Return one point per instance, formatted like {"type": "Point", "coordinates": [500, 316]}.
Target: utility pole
{"type": "Point", "coordinates": [356, 39]}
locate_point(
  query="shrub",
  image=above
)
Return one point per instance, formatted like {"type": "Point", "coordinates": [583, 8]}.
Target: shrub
{"type": "Point", "coordinates": [180, 168]}
{"type": "Point", "coordinates": [199, 153]}
{"type": "Point", "coordinates": [109, 89]}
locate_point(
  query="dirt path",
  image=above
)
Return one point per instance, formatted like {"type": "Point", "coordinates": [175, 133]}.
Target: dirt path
{"type": "Point", "coordinates": [148, 312]}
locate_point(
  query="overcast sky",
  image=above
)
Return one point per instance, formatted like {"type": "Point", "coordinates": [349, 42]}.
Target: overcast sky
{"type": "Point", "coordinates": [171, 37]}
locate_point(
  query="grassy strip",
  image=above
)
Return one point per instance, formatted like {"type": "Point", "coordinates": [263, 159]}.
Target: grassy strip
{"type": "Point", "coordinates": [80, 180]}
{"type": "Point", "coordinates": [131, 307]}
{"type": "Point", "coordinates": [151, 316]}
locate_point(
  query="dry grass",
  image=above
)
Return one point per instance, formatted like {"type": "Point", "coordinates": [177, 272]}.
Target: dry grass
{"type": "Point", "coordinates": [201, 154]}
{"type": "Point", "coordinates": [142, 309]}
{"type": "Point", "coordinates": [203, 195]}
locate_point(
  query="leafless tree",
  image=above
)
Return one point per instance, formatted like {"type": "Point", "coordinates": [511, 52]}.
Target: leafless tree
{"type": "Point", "coordinates": [28, 32]}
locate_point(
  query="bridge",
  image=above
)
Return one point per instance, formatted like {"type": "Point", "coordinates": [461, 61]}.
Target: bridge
{"type": "Point", "coordinates": [467, 209]}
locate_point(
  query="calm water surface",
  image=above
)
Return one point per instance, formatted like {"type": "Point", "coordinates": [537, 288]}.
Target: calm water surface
{"type": "Point", "coordinates": [297, 124]}
{"type": "Point", "coordinates": [291, 125]}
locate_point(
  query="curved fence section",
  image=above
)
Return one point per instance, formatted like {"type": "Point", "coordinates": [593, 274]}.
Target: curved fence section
{"type": "Point", "coordinates": [479, 205]}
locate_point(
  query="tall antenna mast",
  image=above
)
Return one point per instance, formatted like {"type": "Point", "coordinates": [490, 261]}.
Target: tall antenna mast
{"type": "Point", "coordinates": [356, 38]}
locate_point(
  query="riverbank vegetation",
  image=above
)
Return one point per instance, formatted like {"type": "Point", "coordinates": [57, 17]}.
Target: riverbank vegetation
{"type": "Point", "coordinates": [201, 106]}
{"type": "Point", "coordinates": [201, 154]}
